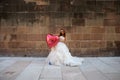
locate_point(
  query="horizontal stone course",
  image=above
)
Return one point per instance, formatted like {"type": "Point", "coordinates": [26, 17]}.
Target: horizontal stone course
{"type": "Point", "coordinates": [91, 26]}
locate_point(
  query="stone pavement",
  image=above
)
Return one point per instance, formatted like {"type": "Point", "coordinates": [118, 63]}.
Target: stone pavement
{"type": "Point", "coordinates": [35, 68]}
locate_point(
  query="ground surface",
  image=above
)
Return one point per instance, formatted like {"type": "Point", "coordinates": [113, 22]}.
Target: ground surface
{"type": "Point", "coordinates": [29, 68]}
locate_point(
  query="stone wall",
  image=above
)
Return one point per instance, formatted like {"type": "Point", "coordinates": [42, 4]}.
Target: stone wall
{"type": "Point", "coordinates": [92, 26]}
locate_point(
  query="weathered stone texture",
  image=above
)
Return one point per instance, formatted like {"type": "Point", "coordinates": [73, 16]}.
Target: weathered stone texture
{"type": "Point", "coordinates": [92, 26]}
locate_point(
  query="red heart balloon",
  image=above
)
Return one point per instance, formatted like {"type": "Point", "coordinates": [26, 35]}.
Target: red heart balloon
{"type": "Point", "coordinates": [52, 40]}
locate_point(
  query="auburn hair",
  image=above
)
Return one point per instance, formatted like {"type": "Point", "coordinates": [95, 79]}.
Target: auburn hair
{"type": "Point", "coordinates": [62, 34]}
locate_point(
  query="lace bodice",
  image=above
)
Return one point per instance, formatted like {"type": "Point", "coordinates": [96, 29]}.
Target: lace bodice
{"type": "Point", "coordinates": [62, 38]}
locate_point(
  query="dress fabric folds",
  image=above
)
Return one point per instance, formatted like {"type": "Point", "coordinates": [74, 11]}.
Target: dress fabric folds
{"type": "Point", "coordinates": [60, 55]}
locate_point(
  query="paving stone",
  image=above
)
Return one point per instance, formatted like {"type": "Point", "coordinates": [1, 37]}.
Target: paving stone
{"type": "Point", "coordinates": [95, 75]}
{"type": "Point", "coordinates": [14, 70]}
{"type": "Point", "coordinates": [112, 63]}
{"type": "Point", "coordinates": [110, 60]}
{"type": "Point", "coordinates": [5, 63]}
{"type": "Point", "coordinates": [51, 79]}
{"type": "Point", "coordinates": [113, 76]}
{"type": "Point", "coordinates": [92, 73]}
{"type": "Point", "coordinates": [51, 71]}
{"type": "Point", "coordinates": [104, 68]}
{"type": "Point", "coordinates": [41, 61]}
{"type": "Point", "coordinates": [72, 73]}
{"type": "Point", "coordinates": [35, 68]}
{"type": "Point", "coordinates": [31, 72]}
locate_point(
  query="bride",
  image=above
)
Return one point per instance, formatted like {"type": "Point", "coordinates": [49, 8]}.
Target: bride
{"type": "Point", "coordinates": [60, 55]}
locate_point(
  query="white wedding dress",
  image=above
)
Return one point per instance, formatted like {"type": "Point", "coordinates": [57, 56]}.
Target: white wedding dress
{"type": "Point", "coordinates": [60, 55]}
